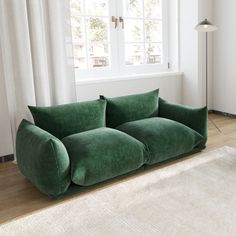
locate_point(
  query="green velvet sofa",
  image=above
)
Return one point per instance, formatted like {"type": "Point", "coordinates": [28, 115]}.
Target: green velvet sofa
{"type": "Point", "coordinates": [75, 146]}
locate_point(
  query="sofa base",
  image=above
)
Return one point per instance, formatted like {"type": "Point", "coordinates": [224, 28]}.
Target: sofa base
{"type": "Point", "coordinates": [73, 188]}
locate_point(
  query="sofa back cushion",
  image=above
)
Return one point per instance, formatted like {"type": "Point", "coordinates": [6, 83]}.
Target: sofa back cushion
{"type": "Point", "coordinates": [130, 108]}
{"type": "Point", "coordinates": [64, 120]}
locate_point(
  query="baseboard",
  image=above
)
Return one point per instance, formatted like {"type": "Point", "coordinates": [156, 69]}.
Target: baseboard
{"type": "Point", "coordinates": [222, 113]}
{"type": "Point", "coordinates": [7, 158]}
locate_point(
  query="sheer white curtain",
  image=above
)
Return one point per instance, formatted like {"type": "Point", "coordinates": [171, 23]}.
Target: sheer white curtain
{"type": "Point", "coordinates": [37, 55]}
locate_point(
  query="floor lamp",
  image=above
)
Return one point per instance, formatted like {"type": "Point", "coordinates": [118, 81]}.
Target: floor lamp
{"type": "Point", "coordinates": [205, 26]}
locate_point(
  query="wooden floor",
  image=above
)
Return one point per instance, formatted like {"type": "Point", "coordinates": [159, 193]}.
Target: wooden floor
{"type": "Point", "coordinates": [18, 197]}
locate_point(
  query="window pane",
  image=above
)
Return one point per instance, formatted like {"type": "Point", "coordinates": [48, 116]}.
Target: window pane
{"type": "Point", "coordinates": [153, 52]}
{"type": "Point", "coordinates": [96, 7]}
{"type": "Point", "coordinates": [134, 54]}
{"type": "Point", "coordinates": [80, 56]}
{"type": "Point", "coordinates": [76, 7]}
{"type": "Point", "coordinates": [133, 8]}
{"type": "Point", "coordinates": [152, 8]}
{"type": "Point", "coordinates": [99, 55]}
{"type": "Point", "coordinates": [77, 29]}
{"type": "Point", "coordinates": [153, 31]}
{"type": "Point", "coordinates": [133, 30]}
{"type": "Point", "coordinates": [97, 29]}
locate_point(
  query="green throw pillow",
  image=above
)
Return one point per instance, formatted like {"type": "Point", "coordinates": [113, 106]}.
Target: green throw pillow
{"type": "Point", "coordinates": [129, 108]}
{"type": "Point", "coordinates": [64, 120]}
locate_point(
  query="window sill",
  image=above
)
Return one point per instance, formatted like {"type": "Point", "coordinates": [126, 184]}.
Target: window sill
{"type": "Point", "coordinates": [127, 77]}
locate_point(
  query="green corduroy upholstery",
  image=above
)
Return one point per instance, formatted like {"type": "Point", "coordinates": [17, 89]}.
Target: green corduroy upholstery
{"type": "Point", "coordinates": [43, 159]}
{"type": "Point", "coordinates": [64, 120]}
{"type": "Point", "coordinates": [129, 108]}
{"type": "Point", "coordinates": [163, 138]}
{"type": "Point", "coordinates": [101, 154]}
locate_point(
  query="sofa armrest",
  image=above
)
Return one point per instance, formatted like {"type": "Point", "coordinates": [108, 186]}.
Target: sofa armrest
{"type": "Point", "coordinates": [195, 118]}
{"type": "Point", "coordinates": [43, 159]}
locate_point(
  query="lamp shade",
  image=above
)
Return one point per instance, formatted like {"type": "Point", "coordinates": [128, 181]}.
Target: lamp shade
{"type": "Point", "coordinates": [205, 26]}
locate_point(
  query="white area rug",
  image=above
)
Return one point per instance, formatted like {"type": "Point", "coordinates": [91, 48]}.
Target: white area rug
{"type": "Point", "coordinates": [192, 197]}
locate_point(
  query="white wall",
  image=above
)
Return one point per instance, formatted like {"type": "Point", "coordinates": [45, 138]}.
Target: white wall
{"type": "Point", "coordinates": [173, 24]}
{"type": "Point", "coordinates": [188, 18]}
{"type": "Point", "coordinates": [192, 51]}
{"type": "Point", "coordinates": [224, 56]}
{"type": "Point", "coordinates": [170, 87]}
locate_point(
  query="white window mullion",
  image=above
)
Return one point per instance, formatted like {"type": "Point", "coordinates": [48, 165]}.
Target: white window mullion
{"type": "Point", "coordinates": [165, 40]}
{"type": "Point", "coordinates": [86, 37]}
{"type": "Point", "coordinates": [114, 38]}
{"type": "Point", "coordinates": [120, 37]}
{"type": "Point", "coordinates": [144, 38]}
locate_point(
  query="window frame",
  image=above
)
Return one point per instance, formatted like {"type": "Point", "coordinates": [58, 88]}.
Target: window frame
{"type": "Point", "coordinates": [117, 65]}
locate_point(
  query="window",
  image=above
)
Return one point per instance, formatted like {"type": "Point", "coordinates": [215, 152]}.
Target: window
{"type": "Point", "coordinates": [112, 37]}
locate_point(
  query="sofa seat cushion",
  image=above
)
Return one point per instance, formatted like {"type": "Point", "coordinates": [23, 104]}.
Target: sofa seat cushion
{"type": "Point", "coordinates": [163, 138]}
{"type": "Point", "coordinates": [101, 154]}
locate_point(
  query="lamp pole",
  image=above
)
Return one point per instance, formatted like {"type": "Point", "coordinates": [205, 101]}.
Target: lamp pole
{"type": "Point", "coordinates": [206, 26]}
{"type": "Point", "coordinates": [206, 72]}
